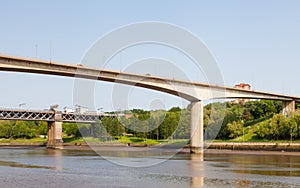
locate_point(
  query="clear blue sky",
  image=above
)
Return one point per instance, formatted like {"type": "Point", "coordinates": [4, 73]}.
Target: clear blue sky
{"type": "Point", "coordinates": [256, 42]}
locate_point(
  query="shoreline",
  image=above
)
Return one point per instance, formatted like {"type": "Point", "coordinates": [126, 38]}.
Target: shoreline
{"type": "Point", "coordinates": [251, 152]}
{"type": "Point", "coordinates": [225, 148]}
{"type": "Point", "coordinates": [256, 146]}
{"type": "Point", "coordinates": [183, 151]}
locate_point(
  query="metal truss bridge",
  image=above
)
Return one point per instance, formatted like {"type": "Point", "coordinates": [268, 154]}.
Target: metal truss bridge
{"type": "Point", "coordinates": [31, 115]}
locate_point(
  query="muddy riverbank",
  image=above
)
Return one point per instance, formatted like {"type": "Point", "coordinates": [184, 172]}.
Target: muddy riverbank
{"type": "Point", "coordinates": [210, 146]}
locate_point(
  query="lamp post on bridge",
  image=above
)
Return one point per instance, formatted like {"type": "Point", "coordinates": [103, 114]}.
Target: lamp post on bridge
{"type": "Point", "coordinates": [100, 110]}
{"type": "Point", "coordinates": [80, 109]}
{"type": "Point", "coordinates": [22, 104]}
{"type": "Point", "coordinates": [54, 107]}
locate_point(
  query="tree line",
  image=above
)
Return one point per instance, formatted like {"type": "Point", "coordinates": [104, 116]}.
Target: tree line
{"type": "Point", "coordinates": [221, 121]}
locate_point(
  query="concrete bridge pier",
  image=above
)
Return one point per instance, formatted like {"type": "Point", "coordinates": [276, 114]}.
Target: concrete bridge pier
{"type": "Point", "coordinates": [92, 130]}
{"type": "Point", "coordinates": [55, 132]}
{"type": "Point", "coordinates": [196, 125]}
{"type": "Point", "coordinates": [288, 107]}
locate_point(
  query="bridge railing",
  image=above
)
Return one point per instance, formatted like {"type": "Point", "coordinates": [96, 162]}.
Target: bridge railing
{"type": "Point", "coordinates": [7, 114]}
{"type": "Point", "coordinates": [13, 114]}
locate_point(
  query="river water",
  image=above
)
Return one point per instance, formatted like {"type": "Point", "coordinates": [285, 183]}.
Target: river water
{"type": "Point", "coordinates": [38, 167]}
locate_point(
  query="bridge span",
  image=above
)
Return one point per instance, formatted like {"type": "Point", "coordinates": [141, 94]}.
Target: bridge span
{"type": "Point", "coordinates": [194, 92]}
{"type": "Point", "coordinates": [54, 120]}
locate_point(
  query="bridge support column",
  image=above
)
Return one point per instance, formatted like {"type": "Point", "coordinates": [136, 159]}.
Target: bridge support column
{"type": "Point", "coordinates": [92, 130]}
{"type": "Point", "coordinates": [55, 132]}
{"type": "Point", "coordinates": [288, 108]}
{"type": "Point", "coordinates": [196, 124]}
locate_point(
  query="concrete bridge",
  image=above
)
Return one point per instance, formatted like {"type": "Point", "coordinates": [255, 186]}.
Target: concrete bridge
{"type": "Point", "coordinates": [54, 119]}
{"type": "Point", "coordinates": [194, 92]}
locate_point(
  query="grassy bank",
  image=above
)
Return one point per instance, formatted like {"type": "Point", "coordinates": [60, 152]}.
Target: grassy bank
{"type": "Point", "coordinates": [23, 141]}
{"type": "Point", "coordinates": [234, 144]}
{"type": "Point", "coordinates": [90, 140]}
{"type": "Point", "coordinates": [118, 140]}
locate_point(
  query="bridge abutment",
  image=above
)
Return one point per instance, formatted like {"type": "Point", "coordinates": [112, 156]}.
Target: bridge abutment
{"type": "Point", "coordinates": [288, 108]}
{"type": "Point", "coordinates": [196, 124]}
{"type": "Point", "coordinates": [55, 132]}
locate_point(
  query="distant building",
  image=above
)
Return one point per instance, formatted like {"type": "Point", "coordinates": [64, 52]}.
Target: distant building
{"type": "Point", "coordinates": [245, 87]}
{"type": "Point", "coordinates": [127, 116]}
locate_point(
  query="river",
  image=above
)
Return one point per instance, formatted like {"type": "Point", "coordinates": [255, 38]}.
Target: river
{"type": "Point", "coordinates": [38, 167]}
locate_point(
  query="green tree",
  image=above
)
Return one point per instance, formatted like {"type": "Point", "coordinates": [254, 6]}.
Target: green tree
{"type": "Point", "coordinates": [83, 130]}
{"type": "Point", "coordinates": [235, 129]}
{"type": "Point", "coordinates": [262, 130]}
{"type": "Point", "coordinates": [70, 129]}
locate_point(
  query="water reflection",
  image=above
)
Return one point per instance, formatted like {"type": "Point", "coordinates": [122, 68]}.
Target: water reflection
{"type": "Point", "coordinates": [255, 169]}
{"type": "Point", "coordinates": [20, 165]}
{"type": "Point", "coordinates": [66, 168]}
{"type": "Point", "coordinates": [58, 158]}
{"type": "Point", "coordinates": [197, 169]}
{"type": "Point", "coordinates": [280, 165]}
{"type": "Point", "coordinates": [136, 156]}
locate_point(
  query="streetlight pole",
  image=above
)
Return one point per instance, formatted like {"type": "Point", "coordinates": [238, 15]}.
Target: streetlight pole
{"type": "Point", "coordinates": [100, 110]}
{"type": "Point", "coordinates": [291, 133]}
{"type": "Point", "coordinates": [243, 130]}
{"type": "Point", "coordinates": [22, 104]}
{"type": "Point", "coordinates": [243, 134]}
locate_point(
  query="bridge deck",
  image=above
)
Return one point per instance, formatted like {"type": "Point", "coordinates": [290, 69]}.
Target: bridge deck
{"type": "Point", "coordinates": [192, 91]}
{"type": "Point", "coordinates": [30, 115]}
